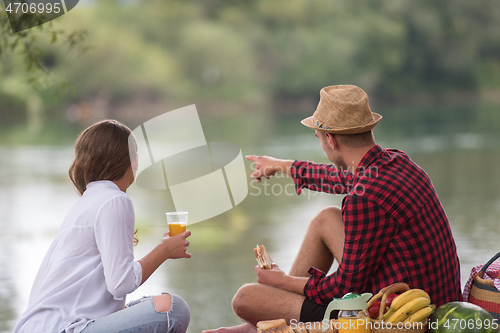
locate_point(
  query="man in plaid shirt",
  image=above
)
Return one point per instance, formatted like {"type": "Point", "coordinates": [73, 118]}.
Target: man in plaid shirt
{"type": "Point", "coordinates": [391, 226]}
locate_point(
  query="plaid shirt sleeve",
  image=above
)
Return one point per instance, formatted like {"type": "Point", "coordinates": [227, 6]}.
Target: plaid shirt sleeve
{"type": "Point", "coordinates": [368, 230]}
{"type": "Point", "coordinates": [320, 177]}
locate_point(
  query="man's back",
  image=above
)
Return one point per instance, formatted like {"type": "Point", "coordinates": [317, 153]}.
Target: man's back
{"type": "Point", "coordinates": [422, 251]}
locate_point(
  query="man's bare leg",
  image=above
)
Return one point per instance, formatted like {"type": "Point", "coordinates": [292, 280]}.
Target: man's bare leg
{"type": "Point", "coordinates": [255, 302]}
{"type": "Point", "coordinates": [324, 241]}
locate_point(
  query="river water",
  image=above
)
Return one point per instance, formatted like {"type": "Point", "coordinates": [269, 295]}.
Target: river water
{"type": "Point", "coordinates": [35, 194]}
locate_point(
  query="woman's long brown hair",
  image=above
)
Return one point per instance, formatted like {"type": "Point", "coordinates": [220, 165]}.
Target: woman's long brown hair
{"type": "Point", "coordinates": [102, 153]}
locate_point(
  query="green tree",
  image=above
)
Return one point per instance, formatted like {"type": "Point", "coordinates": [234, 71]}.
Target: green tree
{"type": "Point", "coordinates": [26, 45]}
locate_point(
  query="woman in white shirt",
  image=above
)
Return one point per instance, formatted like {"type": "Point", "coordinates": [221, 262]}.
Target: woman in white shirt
{"type": "Point", "coordinates": [90, 268]}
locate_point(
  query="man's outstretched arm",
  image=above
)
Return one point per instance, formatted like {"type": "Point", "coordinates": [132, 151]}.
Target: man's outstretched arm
{"type": "Point", "coordinates": [313, 176]}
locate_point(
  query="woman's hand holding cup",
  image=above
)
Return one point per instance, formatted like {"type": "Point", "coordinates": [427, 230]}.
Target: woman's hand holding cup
{"type": "Point", "coordinates": [176, 246]}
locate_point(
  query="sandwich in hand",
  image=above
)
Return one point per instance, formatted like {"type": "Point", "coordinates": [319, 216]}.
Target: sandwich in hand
{"type": "Point", "coordinates": [263, 257]}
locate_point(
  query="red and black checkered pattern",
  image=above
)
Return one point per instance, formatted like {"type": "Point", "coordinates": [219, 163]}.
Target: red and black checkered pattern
{"type": "Point", "coordinates": [395, 228]}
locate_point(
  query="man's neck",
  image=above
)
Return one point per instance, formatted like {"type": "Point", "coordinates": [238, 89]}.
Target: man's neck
{"type": "Point", "coordinates": [354, 156]}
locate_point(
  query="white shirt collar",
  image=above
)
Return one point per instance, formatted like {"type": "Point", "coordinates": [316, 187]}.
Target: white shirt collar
{"type": "Point", "coordinates": [102, 183]}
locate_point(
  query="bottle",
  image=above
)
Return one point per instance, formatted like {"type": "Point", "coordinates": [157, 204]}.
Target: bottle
{"type": "Point", "coordinates": [353, 316]}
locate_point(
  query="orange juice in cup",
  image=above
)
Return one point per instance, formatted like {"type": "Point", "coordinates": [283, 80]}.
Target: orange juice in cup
{"type": "Point", "coordinates": [177, 222]}
{"type": "Point", "coordinates": [176, 228]}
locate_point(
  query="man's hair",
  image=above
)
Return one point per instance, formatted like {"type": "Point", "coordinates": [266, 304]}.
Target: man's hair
{"type": "Point", "coordinates": [355, 140]}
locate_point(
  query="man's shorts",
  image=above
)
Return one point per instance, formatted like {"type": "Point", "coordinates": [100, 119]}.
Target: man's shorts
{"type": "Point", "coordinates": [311, 311]}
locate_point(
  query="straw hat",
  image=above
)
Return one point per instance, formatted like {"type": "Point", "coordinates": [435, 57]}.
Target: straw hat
{"type": "Point", "coordinates": [343, 109]}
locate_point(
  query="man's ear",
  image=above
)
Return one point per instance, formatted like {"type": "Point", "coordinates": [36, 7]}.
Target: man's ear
{"type": "Point", "coordinates": [332, 141]}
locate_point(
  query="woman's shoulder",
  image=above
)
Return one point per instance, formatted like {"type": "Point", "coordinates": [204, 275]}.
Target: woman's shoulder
{"type": "Point", "coordinates": [104, 199]}
{"type": "Point", "coordinates": [113, 205]}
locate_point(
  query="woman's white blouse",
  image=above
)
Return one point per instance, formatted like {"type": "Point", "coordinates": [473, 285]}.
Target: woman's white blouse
{"type": "Point", "coordinates": [89, 268]}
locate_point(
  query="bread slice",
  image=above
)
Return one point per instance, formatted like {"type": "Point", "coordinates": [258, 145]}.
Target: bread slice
{"type": "Point", "coordinates": [270, 324]}
{"type": "Point", "coordinates": [263, 258]}
{"type": "Point", "coordinates": [286, 329]}
{"type": "Point", "coordinates": [301, 328]}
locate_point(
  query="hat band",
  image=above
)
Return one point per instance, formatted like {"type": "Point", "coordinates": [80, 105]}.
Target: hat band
{"type": "Point", "coordinates": [319, 124]}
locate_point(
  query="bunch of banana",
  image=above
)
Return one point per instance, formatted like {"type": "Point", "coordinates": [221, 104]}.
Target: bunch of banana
{"type": "Point", "coordinates": [411, 306]}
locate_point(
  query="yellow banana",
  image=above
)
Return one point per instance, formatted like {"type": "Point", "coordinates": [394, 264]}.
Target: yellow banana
{"type": "Point", "coordinates": [406, 297]}
{"type": "Point", "coordinates": [388, 314]}
{"type": "Point", "coordinates": [408, 309]}
{"type": "Point", "coordinates": [419, 316]}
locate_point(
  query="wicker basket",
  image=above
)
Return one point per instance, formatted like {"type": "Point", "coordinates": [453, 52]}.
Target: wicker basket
{"type": "Point", "coordinates": [378, 325]}
{"type": "Point", "coordinates": [484, 293]}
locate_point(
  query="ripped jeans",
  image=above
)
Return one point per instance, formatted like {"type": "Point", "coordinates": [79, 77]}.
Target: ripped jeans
{"type": "Point", "coordinates": [141, 316]}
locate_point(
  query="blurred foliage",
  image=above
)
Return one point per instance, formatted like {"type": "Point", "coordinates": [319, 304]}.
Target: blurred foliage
{"type": "Point", "coordinates": [254, 55]}
{"type": "Point", "coordinates": [28, 46]}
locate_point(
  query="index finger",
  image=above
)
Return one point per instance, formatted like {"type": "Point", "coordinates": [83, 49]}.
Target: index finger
{"type": "Point", "coordinates": [252, 158]}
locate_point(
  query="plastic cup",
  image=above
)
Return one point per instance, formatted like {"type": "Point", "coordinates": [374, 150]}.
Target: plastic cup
{"type": "Point", "coordinates": [177, 222]}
